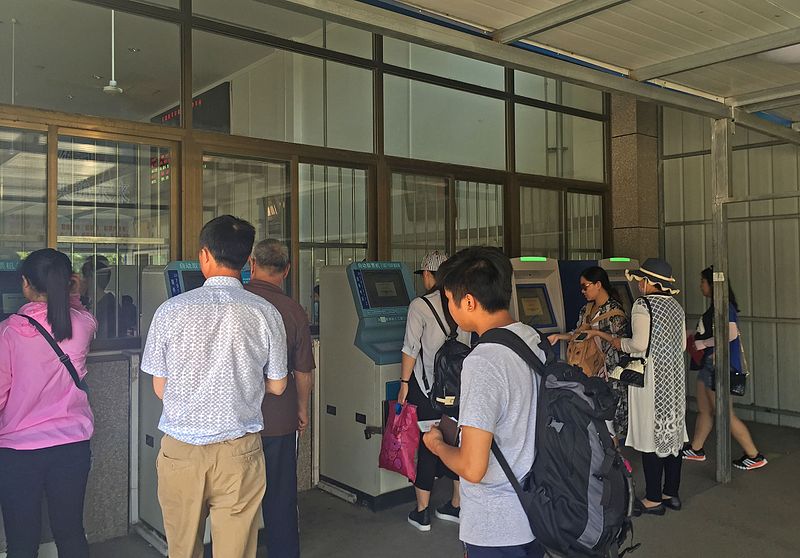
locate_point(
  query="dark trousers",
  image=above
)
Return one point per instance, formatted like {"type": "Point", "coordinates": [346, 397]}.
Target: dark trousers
{"type": "Point", "coordinates": [428, 465]}
{"type": "Point", "coordinates": [59, 474]}
{"type": "Point", "coordinates": [280, 501]}
{"type": "Point", "coordinates": [657, 468]}
{"type": "Point", "coordinates": [530, 550]}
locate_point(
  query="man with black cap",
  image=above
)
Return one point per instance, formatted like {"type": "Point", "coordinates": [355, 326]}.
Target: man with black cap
{"type": "Point", "coordinates": [424, 336]}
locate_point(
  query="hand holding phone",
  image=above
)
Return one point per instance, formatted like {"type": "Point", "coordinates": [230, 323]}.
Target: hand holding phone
{"type": "Point", "coordinates": [449, 429]}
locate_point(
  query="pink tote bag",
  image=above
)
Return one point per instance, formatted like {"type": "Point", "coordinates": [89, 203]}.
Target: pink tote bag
{"type": "Point", "coordinates": [400, 441]}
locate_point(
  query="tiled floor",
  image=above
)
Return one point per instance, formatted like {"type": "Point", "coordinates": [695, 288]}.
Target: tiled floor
{"type": "Point", "coordinates": [753, 516]}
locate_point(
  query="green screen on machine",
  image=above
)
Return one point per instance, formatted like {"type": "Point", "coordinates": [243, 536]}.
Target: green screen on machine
{"type": "Point", "coordinates": [534, 306]}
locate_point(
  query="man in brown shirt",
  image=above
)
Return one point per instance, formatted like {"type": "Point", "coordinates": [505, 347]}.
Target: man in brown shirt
{"type": "Point", "coordinates": [286, 415]}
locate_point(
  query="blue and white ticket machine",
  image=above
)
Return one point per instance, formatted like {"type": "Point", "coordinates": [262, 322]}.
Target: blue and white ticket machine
{"type": "Point", "coordinates": [363, 309]}
{"type": "Point", "coordinates": [158, 284]}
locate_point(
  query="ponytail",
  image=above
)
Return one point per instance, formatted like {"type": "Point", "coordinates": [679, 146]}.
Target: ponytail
{"type": "Point", "coordinates": [49, 272]}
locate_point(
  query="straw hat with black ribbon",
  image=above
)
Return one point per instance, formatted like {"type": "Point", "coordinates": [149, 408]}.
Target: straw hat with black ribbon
{"type": "Point", "coordinates": [657, 272]}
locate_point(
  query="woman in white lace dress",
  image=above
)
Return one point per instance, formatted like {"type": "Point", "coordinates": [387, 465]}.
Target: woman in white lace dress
{"type": "Point", "coordinates": [657, 411]}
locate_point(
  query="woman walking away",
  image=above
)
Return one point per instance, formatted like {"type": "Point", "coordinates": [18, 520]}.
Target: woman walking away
{"type": "Point", "coordinates": [657, 411]}
{"type": "Point", "coordinates": [603, 311]}
{"type": "Point", "coordinates": [45, 419]}
{"type": "Point", "coordinates": [706, 400]}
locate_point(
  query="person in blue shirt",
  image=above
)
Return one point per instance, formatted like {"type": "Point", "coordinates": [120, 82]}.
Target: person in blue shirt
{"type": "Point", "coordinates": [706, 400]}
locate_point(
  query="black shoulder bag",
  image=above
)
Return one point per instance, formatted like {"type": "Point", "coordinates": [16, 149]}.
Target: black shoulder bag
{"type": "Point", "coordinates": [62, 356]}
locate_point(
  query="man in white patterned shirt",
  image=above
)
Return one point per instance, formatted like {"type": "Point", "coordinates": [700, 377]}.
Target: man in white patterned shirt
{"type": "Point", "coordinates": [213, 352]}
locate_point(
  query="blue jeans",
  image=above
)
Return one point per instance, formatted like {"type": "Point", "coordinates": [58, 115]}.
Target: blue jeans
{"type": "Point", "coordinates": [530, 550]}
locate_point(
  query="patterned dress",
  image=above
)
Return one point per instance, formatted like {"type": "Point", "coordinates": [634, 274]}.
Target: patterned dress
{"type": "Point", "coordinates": [657, 411]}
{"type": "Point", "coordinates": [616, 326]}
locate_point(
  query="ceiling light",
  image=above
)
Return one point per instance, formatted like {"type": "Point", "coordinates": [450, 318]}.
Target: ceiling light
{"type": "Point", "coordinates": [785, 55]}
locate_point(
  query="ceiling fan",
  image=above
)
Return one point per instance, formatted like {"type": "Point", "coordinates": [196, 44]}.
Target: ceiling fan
{"type": "Point", "coordinates": [112, 88]}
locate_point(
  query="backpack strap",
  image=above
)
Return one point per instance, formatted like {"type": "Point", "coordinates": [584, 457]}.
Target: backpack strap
{"type": "Point", "coordinates": [435, 315]}
{"type": "Point", "coordinates": [507, 338]}
{"type": "Point", "coordinates": [62, 356]}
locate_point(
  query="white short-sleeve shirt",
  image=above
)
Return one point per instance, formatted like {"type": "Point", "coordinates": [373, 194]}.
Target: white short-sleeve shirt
{"type": "Point", "coordinates": [215, 345]}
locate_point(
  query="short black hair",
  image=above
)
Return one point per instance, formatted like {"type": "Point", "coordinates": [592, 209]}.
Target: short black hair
{"type": "Point", "coordinates": [481, 271]}
{"type": "Point", "coordinates": [229, 239]}
{"type": "Point", "coordinates": [97, 266]}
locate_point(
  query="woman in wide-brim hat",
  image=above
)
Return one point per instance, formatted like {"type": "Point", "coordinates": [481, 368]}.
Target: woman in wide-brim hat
{"type": "Point", "coordinates": [657, 411]}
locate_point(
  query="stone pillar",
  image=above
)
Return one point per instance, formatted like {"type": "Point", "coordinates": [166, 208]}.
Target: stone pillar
{"type": "Point", "coordinates": [634, 178]}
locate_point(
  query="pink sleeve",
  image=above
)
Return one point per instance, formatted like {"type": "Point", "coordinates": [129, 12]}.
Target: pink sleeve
{"type": "Point", "coordinates": [5, 371]}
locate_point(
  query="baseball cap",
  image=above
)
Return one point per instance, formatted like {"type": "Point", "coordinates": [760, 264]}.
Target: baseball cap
{"type": "Point", "coordinates": [432, 261]}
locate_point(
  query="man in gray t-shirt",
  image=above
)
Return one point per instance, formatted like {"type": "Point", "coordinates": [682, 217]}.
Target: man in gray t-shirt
{"type": "Point", "coordinates": [498, 402]}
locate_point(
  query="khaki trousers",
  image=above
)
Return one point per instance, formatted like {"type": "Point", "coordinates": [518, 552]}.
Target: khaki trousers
{"type": "Point", "coordinates": [226, 480]}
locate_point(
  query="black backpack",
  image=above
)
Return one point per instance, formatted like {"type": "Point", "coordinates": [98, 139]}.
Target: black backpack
{"type": "Point", "coordinates": [578, 495]}
{"type": "Point", "coordinates": [444, 394]}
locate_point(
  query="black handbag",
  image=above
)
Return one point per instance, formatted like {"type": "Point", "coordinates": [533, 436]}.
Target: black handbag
{"type": "Point", "coordinates": [62, 356]}
{"type": "Point", "coordinates": [738, 377]}
{"type": "Point", "coordinates": [631, 370]}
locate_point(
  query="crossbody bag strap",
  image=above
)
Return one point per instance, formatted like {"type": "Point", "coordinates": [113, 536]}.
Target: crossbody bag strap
{"type": "Point", "coordinates": [607, 315]}
{"type": "Point", "coordinates": [62, 356]}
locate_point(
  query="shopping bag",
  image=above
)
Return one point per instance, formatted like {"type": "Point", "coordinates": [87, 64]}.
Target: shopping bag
{"type": "Point", "coordinates": [400, 441]}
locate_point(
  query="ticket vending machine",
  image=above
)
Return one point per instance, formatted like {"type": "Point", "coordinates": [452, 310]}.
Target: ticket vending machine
{"type": "Point", "coordinates": [536, 297]}
{"type": "Point", "coordinates": [363, 309]}
{"type": "Point", "coordinates": [627, 290]}
{"type": "Point", "coordinates": [11, 298]}
{"type": "Point", "coordinates": [158, 283]}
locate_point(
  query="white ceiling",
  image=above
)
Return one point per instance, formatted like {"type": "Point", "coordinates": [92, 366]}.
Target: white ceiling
{"type": "Point", "coordinates": [635, 34]}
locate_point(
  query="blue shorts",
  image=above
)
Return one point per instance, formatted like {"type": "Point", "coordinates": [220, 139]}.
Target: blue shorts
{"type": "Point", "coordinates": [530, 550]}
{"type": "Point", "coordinates": [706, 374]}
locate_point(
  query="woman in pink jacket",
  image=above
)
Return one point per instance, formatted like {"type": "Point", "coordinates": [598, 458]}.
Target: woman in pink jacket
{"type": "Point", "coordinates": [45, 419]}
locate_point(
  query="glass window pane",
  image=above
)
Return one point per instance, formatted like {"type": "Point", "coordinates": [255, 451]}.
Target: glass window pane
{"type": "Point", "coordinates": [54, 71]}
{"type": "Point", "coordinates": [435, 123]}
{"type": "Point", "coordinates": [333, 224]}
{"type": "Point", "coordinates": [582, 149]}
{"type": "Point", "coordinates": [113, 220]}
{"type": "Point", "coordinates": [479, 214]}
{"type": "Point", "coordinates": [533, 129]}
{"type": "Point", "coordinates": [536, 87]}
{"type": "Point", "coordinates": [558, 92]}
{"type": "Point", "coordinates": [23, 208]}
{"type": "Point", "coordinates": [584, 226]}
{"type": "Point", "coordinates": [286, 24]}
{"type": "Point", "coordinates": [444, 64]}
{"type": "Point", "coordinates": [257, 191]}
{"type": "Point", "coordinates": [540, 222]}
{"type": "Point", "coordinates": [562, 145]}
{"type": "Point", "coordinates": [419, 217]}
{"type": "Point", "coordinates": [279, 95]}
